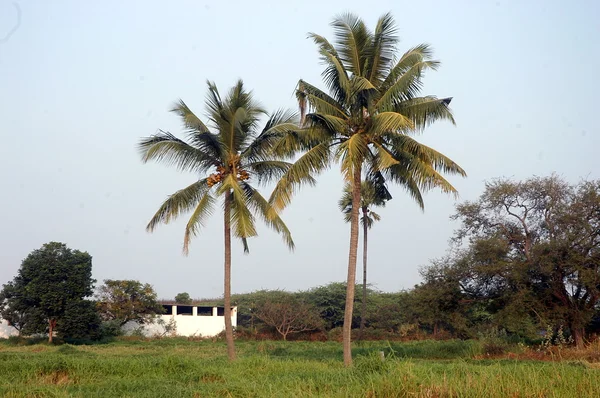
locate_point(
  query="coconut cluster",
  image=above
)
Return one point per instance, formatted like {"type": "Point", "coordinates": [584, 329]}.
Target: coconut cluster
{"type": "Point", "coordinates": [222, 172]}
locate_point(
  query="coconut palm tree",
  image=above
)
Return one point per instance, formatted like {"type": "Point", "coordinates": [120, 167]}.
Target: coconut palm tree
{"type": "Point", "coordinates": [365, 122]}
{"type": "Point", "coordinates": [371, 197]}
{"type": "Point", "coordinates": [226, 160]}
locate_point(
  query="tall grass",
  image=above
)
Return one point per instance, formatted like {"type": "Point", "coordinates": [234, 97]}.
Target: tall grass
{"type": "Point", "coordinates": [181, 368]}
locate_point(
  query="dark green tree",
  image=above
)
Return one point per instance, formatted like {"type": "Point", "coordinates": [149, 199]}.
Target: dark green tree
{"type": "Point", "coordinates": [27, 320]}
{"type": "Point", "coordinates": [51, 279]}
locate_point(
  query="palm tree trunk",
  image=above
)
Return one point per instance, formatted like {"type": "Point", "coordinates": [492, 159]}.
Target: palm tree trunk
{"type": "Point", "coordinates": [363, 310]}
{"type": "Point", "coordinates": [227, 290]}
{"type": "Point", "coordinates": [351, 281]}
{"type": "Point", "coordinates": [51, 325]}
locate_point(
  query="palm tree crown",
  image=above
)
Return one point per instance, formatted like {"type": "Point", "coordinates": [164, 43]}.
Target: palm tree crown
{"type": "Point", "coordinates": [370, 196]}
{"type": "Point", "coordinates": [370, 112]}
{"type": "Point", "coordinates": [227, 160]}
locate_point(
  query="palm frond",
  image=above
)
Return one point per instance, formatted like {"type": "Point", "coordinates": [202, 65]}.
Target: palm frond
{"type": "Point", "coordinates": [336, 77]}
{"type": "Point", "coordinates": [178, 203]}
{"type": "Point", "coordinates": [403, 176]}
{"type": "Point", "coordinates": [375, 216]}
{"type": "Point", "coordinates": [281, 123]}
{"type": "Point", "coordinates": [300, 173]}
{"type": "Point", "coordinates": [242, 220]}
{"type": "Point", "coordinates": [352, 153]}
{"type": "Point", "coordinates": [388, 122]}
{"type": "Point", "coordinates": [415, 172]}
{"type": "Point", "coordinates": [384, 158]}
{"type": "Point", "coordinates": [398, 144]}
{"type": "Point", "coordinates": [198, 134]}
{"type": "Point", "coordinates": [418, 54]}
{"type": "Point", "coordinates": [424, 111]}
{"type": "Point", "coordinates": [405, 87]}
{"type": "Point", "coordinates": [326, 124]}
{"type": "Point", "coordinates": [166, 148]}
{"type": "Point", "coordinates": [323, 44]}
{"type": "Point", "coordinates": [319, 101]}
{"type": "Point", "coordinates": [214, 104]}
{"type": "Point", "coordinates": [382, 50]}
{"type": "Point", "coordinates": [268, 170]}
{"type": "Point", "coordinates": [190, 120]}
{"type": "Point", "coordinates": [261, 206]}
{"type": "Point", "coordinates": [352, 41]}
{"type": "Point", "coordinates": [198, 218]}
{"type": "Point", "coordinates": [358, 84]}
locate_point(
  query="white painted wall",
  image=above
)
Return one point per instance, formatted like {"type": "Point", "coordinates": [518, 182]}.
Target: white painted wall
{"type": "Point", "coordinates": [6, 330]}
{"type": "Point", "coordinates": [187, 325]}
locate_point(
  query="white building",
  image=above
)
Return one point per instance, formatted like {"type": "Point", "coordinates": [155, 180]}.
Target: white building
{"type": "Point", "coordinates": [187, 320]}
{"type": "Point", "coordinates": [6, 330]}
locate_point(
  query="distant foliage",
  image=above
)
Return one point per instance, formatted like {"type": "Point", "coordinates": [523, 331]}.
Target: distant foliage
{"type": "Point", "coordinates": [127, 300]}
{"type": "Point", "coordinates": [183, 298]}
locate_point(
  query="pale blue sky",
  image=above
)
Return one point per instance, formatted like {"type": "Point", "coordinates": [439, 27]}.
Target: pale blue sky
{"type": "Point", "coordinates": [81, 82]}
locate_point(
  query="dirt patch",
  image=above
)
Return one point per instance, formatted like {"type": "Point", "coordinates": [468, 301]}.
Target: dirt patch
{"type": "Point", "coordinates": [57, 377]}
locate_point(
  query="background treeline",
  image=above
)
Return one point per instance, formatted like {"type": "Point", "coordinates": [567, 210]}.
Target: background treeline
{"type": "Point", "coordinates": [524, 260]}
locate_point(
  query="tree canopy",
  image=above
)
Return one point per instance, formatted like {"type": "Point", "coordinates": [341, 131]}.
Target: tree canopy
{"type": "Point", "coordinates": [527, 255]}
{"type": "Point", "coordinates": [127, 300]}
{"type": "Point", "coordinates": [51, 280]}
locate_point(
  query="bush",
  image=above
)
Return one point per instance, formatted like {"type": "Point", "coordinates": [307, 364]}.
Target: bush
{"type": "Point", "coordinates": [109, 329]}
{"type": "Point", "coordinates": [80, 322]}
{"type": "Point", "coordinates": [335, 334]}
{"type": "Point", "coordinates": [494, 342]}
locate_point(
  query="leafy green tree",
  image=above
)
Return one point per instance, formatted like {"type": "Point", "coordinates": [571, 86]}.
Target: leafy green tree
{"type": "Point", "coordinates": [51, 279]}
{"type": "Point", "coordinates": [235, 155]}
{"type": "Point", "coordinates": [13, 308]}
{"type": "Point", "coordinates": [127, 300]}
{"type": "Point", "coordinates": [183, 298]}
{"type": "Point", "coordinates": [533, 251]}
{"type": "Point", "coordinates": [365, 123]}
{"type": "Point", "coordinates": [372, 195]}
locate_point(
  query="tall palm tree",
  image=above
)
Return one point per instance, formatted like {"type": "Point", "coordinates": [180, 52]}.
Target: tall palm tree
{"type": "Point", "coordinates": [371, 197]}
{"type": "Point", "coordinates": [365, 123]}
{"type": "Point", "coordinates": [226, 161]}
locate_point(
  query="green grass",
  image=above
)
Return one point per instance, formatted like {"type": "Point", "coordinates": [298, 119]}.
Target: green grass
{"type": "Point", "coordinates": [181, 368]}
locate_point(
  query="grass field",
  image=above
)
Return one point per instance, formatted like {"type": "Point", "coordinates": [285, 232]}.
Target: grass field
{"type": "Point", "coordinates": [181, 368]}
